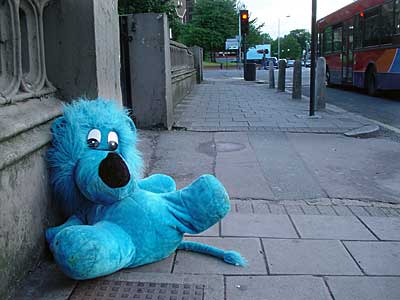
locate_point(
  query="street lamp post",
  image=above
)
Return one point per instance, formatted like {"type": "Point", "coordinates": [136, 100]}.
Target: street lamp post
{"type": "Point", "coordinates": [279, 36]}
{"type": "Point", "coordinates": [313, 45]}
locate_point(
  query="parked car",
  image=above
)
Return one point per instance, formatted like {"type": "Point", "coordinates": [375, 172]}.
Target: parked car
{"type": "Point", "coordinates": [308, 63]}
{"type": "Point", "coordinates": [290, 63]}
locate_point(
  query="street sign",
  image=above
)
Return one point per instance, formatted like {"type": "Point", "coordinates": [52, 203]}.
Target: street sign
{"type": "Point", "coordinates": [231, 44]}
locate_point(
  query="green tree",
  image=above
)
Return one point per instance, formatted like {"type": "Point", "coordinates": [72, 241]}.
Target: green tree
{"type": "Point", "coordinates": [290, 47]}
{"type": "Point", "coordinates": [302, 36]}
{"type": "Point", "coordinates": [291, 44]}
{"type": "Point", "coordinates": [155, 6]}
{"type": "Point", "coordinates": [213, 21]}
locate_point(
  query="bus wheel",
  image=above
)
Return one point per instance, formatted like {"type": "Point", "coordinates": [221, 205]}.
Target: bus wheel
{"type": "Point", "coordinates": [371, 83]}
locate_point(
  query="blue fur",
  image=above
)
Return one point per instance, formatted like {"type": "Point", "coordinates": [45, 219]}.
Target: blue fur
{"type": "Point", "coordinates": [113, 228]}
{"type": "Point", "coordinates": [230, 257]}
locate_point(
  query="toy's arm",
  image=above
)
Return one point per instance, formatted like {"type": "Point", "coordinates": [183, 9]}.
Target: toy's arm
{"type": "Point", "coordinates": [158, 183]}
{"type": "Point", "coordinates": [52, 231]}
{"type": "Point", "coordinates": [200, 205]}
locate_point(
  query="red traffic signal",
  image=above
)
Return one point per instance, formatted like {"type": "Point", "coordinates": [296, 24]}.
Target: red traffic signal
{"type": "Point", "coordinates": [244, 22]}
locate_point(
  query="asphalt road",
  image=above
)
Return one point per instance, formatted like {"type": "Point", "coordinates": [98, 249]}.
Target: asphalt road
{"type": "Point", "coordinates": [385, 108]}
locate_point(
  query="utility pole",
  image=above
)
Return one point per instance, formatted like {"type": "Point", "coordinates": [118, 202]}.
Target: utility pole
{"type": "Point", "coordinates": [313, 44]}
{"type": "Point", "coordinates": [279, 39]}
{"type": "Point", "coordinates": [240, 44]}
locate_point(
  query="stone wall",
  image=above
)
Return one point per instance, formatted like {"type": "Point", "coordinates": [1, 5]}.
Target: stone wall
{"type": "Point", "coordinates": [157, 72]}
{"type": "Point", "coordinates": [49, 50]}
{"type": "Point", "coordinates": [183, 72]}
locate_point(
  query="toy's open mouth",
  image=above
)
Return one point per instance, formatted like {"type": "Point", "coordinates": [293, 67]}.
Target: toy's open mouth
{"type": "Point", "coordinates": [113, 171]}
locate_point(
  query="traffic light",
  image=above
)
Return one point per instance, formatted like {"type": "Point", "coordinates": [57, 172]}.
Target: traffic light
{"type": "Point", "coordinates": [244, 22]}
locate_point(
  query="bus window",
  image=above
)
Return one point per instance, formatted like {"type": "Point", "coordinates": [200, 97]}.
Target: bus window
{"type": "Point", "coordinates": [358, 25]}
{"type": "Point", "coordinates": [387, 23]}
{"type": "Point", "coordinates": [337, 39]}
{"type": "Point", "coordinates": [327, 40]}
{"type": "Point", "coordinates": [371, 27]}
{"type": "Point", "coordinates": [397, 16]}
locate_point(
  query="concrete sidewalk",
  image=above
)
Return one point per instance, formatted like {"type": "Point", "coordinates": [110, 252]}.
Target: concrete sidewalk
{"type": "Point", "coordinates": [223, 103]}
{"type": "Point", "coordinates": [316, 214]}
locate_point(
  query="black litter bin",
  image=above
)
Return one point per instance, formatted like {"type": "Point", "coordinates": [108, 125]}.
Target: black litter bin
{"type": "Point", "coordinates": [250, 72]}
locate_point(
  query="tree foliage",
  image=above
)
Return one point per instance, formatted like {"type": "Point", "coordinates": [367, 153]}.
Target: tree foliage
{"type": "Point", "coordinates": [292, 44]}
{"type": "Point", "coordinates": [213, 21]}
{"type": "Point", "coordinates": [155, 6]}
{"type": "Point", "coordinates": [302, 36]}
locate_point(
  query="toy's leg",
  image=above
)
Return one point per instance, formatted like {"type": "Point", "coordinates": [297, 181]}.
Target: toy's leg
{"type": "Point", "coordinates": [89, 251]}
{"type": "Point", "coordinates": [158, 183]}
{"type": "Point", "coordinates": [52, 231]}
{"type": "Point", "coordinates": [201, 204]}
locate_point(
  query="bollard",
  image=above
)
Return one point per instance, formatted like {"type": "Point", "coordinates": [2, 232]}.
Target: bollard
{"type": "Point", "coordinates": [250, 72]}
{"type": "Point", "coordinates": [296, 91]}
{"type": "Point", "coordinates": [281, 75]}
{"type": "Point", "coordinates": [271, 75]}
{"type": "Point", "coordinates": [320, 89]}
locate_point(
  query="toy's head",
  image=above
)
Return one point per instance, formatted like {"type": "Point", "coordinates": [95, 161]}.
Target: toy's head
{"type": "Point", "coordinates": [93, 154]}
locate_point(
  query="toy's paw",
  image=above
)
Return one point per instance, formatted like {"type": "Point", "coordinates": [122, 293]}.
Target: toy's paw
{"type": "Point", "coordinates": [76, 253]}
{"type": "Point", "coordinates": [84, 252]}
{"type": "Point", "coordinates": [207, 201]}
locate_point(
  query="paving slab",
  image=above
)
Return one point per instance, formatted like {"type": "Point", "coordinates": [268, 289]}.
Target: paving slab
{"type": "Point", "coordinates": [256, 225]}
{"type": "Point", "coordinates": [331, 227]}
{"type": "Point", "coordinates": [183, 155]}
{"type": "Point", "coordinates": [375, 211]}
{"type": "Point", "coordinates": [45, 283]}
{"type": "Point", "coordinates": [308, 257]}
{"type": "Point", "coordinates": [364, 288]}
{"type": "Point", "coordinates": [241, 206]}
{"type": "Point", "coordinates": [276, 288]}
{"type": "Point", "coordinates": [286, 172]}
{"type": "Point", "coordinates": [387, 228]}
{"type": "Point", "coordinates": [342, 210]}
{"type": "Point", "coordinates": [237, 166]}
{"type": "Point", "coordinates": [250, 248]}
{"type": "Point", "coordinates": [348, 168]}
{"type": "Point", "coordinates": [243, 180]}
{"type": "Point", "coordinates": [376, 258]}
{"type": "Point", "coordinates": [213, 284]}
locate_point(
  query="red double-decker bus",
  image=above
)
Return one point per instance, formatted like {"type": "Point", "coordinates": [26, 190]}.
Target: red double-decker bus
{"type": "Point", "coordinates": [361, 44]}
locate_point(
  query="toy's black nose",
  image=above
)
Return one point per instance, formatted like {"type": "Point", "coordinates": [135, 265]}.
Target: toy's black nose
{"type": "Point", "coordinates": [113, 171]}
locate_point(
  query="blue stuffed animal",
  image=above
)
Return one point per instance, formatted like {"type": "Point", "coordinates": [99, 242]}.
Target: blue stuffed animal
{"type": "Point", "coordinates": [117, 220]}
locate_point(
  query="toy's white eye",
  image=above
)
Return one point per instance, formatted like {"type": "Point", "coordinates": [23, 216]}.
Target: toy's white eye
{"type": "Point", "coordinates": [94, 138]}
{"type": "Point", "coordinates": [112, 140]}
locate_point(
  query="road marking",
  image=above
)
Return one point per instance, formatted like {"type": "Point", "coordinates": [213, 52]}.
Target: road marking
{"type": "Point", "coordinates": [337, 108]}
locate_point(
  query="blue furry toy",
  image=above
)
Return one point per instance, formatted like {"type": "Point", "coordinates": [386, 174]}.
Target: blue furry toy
{"type": "Point", "coordinates": [117, 220]}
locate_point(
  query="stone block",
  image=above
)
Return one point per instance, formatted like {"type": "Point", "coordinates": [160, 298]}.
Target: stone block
{"type": "Point", "coordinates": [331, 227]}
{"type": "Point", "coordinates": [255, 225]}
{"type": "Point", "coordinates": [376, 258]}
{"type": "Point", "coordinates": [364, 288]}
{"type": "Point", "coordinates": [250, 248]}
{"type": "Point", "coordinates": [275, 287]}
{"type": "Point", "coordinates": [310, 257]}
{"type": "Point", "coordinates": [385, 228]}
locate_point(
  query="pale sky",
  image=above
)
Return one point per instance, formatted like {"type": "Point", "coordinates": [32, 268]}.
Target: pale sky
{"type": "Point", "coordinates": [268, 12]}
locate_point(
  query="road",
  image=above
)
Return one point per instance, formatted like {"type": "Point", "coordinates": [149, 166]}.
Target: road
{"type": "Point", "coordinates": [385, 108]}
